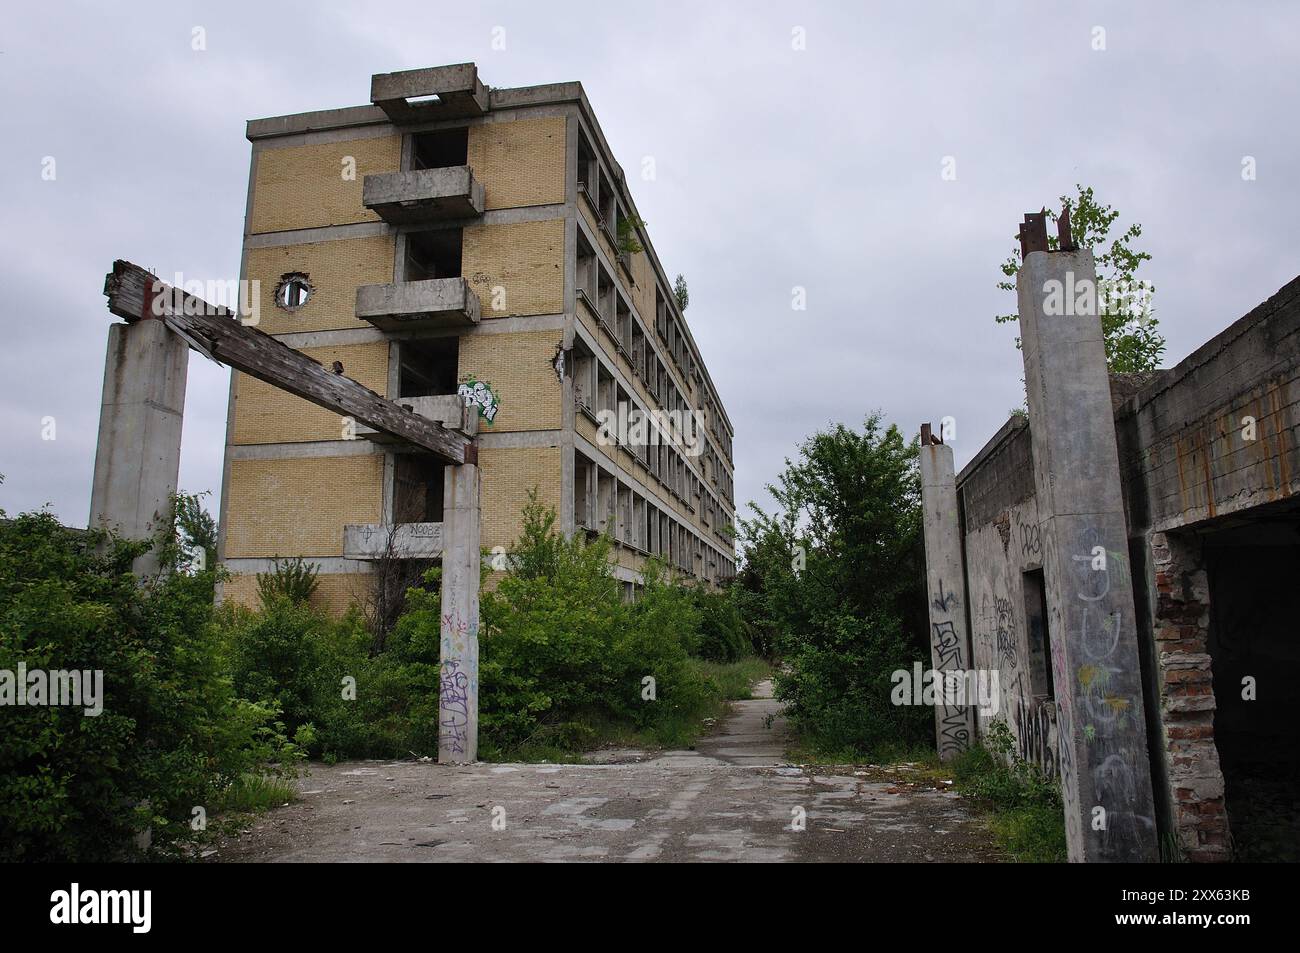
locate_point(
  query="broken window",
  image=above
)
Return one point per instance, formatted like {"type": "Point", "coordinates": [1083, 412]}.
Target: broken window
{"type": "Point", "coordinates": [429, 368]}
{"type": "Point", "coordinates": [440, 149]}
{"type": "Point", "coordinates": [293, 291]}
{"type": "Point", "coordinates": [417, 488]}
{"type": "Point", "coordinates": [433, 254]}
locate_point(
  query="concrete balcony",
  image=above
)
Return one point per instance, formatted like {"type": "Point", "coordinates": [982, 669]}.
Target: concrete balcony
{"type": "Point", "coordinates": [375, 541]}
{"type": "Point", "coordinates": [450, 410]}
{"type": "Point", "coordinates": [423, 195]}
{"type": "Point", "coordinates": [433, 93]}
{"type": "Point", "coordinates": [419, 305]}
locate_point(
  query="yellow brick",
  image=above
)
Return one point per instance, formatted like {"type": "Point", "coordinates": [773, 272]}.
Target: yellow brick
{"type": "Point", "coordinates": [334, 268]}
{"type": "Point", "coordinates": [508, 474]}
{"type": "Point", "coordinates": [519, 163]}
{"type": "Point", "coordinates": [335, 592]}
{"type": "Point", "coordinates": [297, 507]}
{"type": "Point", "coordinates": [304, 187]}
{"type": "Point", "coordinates": [266, 414]}
{"type": "Point", "coordinates": [518, 366]}
{"type": "Point", "coordinates": [524, 259]}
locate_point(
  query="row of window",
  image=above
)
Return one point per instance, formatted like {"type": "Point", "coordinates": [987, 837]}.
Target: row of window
{"type": "Point", "coordinates": [601, 503]}
{"type": "Point", "coordinates": [600, 396]}
{"type": "Point", "coordinates": [601, 194]}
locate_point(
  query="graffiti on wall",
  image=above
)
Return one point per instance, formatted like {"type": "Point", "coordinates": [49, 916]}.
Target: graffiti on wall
{"type": "Point", "coordinates": [477, 394]}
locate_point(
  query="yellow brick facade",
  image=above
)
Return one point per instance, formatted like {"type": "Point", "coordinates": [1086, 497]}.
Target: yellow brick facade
{"type": "Point", "coordinates": [524, 259]}
{"type": "Point", "coordinates": [519, 163]}
{"type": "Point", "coordinates": [335, 270]}
{"type": "Point", "coordinates": [298, 507]}
{"type": "Point", "coordinates": [518, 366]}
{"type": "Point", "coordinates": [335, 592]}
{"type": "Point", "coordinates": [266, 414]}
{"type": "Point", "coordinates": [306, 187]}
{"type": "Point", "coordinates": [508, 474]}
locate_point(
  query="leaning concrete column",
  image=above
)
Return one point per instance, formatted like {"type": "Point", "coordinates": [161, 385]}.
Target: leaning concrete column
{"type": "Point", "coordinates": [138, 457]}
{"type": "Point", "coordinates": [1105, 774]}
{"type": "Point", "coordinates": [458, 654]}
{"type": "Point", "coordinates": [946, 585]}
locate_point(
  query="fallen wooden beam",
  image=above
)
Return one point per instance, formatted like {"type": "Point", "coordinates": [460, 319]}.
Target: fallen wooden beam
{"type": "Point", "coordinates": [134, 294]}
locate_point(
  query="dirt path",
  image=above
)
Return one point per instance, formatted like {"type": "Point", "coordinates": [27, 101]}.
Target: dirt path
{"type": "Point", "coordinates": [732, 799]}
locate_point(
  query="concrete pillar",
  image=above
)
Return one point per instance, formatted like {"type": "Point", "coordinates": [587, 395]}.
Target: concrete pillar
{"type": "Point", "coordinates": [1105, 774]}
{"type": "Point", "coordinates": [946, 587]}
{"type": "Point", "coordinates": [138, 457]}
{"type": "Point", "coordinates": [458, 654]}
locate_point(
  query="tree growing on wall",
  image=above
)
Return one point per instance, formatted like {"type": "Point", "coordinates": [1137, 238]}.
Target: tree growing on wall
{"type": "Point", "coordinates": [1133, 342]}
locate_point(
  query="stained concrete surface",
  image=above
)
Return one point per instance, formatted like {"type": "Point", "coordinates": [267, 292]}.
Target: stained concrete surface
{"type": "Point", "coordinates": [734, 798]}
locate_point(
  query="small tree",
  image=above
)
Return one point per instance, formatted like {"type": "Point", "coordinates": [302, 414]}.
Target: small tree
{"type": "Point", "coordinates": [291, 579]}
{"type": "Point", "coordinates": [681, 293]}
{"type": "Point", "coordinates": [1132, 341]}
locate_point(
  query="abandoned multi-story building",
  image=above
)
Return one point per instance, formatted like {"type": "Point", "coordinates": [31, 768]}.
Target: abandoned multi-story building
{"type": "Point", "coordinates": [451, 244]}
{"type": "Point", "coordinates": [1125, 559]}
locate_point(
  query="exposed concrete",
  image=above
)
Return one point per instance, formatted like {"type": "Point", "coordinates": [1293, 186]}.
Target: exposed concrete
{"type": "Point", "coordinates": [138, 456]}
{"type": "Point", "coordinates": [730, 800]}
{"type": "Point", "coordinates": [458, 654]}
{"type": "Point", "coordinates": [1105, 774]}
{"type": "Point", "coordinates": [397, 541]}
{"type": "Point", "coordinates": [419, 195]}
{"type": "Point", "coordinates": [954, 724]}
{"type": "Point", "coordinates": [755, 733]}
{"type": "Point", "coordinates": [436, 301]}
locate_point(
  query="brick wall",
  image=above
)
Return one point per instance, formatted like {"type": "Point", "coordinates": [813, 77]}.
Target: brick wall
{"type": "Point", "coordinates": [304, 187]}
{"type": "Point", "coordinates": [508, 474]}
{"type": "Point", "coordinates": [334, 268]}
{"type": "Point", "coordinates": [297, 507]}
{"type": "Point", "coordinates": [525, 259]}
{"type": "Point", "coordinates": [519, 163]}
{"type": "Point", "coordinates": [1187, 703]}
{"type": "Point", "coordinates": [519, 368]}
{"type": "Point", "coordinates": [335, 592]}
{"type": "Point", "coordinates": [266, 414]}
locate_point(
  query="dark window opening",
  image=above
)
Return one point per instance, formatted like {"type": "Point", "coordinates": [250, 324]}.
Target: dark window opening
{"type": "Point", "coordinates": [417, 489]}
{"type": "Point", "coordinates": [435, 254]}
{"type": "Point", "coordinates": [429, 368]}
{"type": "Point", "coordinates": [1040, 639]}
{"type": "Point", "coordinates": [441, 149]}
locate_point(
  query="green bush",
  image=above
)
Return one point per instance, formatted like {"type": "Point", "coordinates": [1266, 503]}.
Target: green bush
{"type": "Point", "coordinates": [1028, 818]}
{"type": "Point", "coordinates": [832, 584]}
{"type": "Point", "coordinates": [291, 579]}
{"type": "Point", "coordinates": [172, 734]}
{"type": "Point", "coordinates": [723, 636]}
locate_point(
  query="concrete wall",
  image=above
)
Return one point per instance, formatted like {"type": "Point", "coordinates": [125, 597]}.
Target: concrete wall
{"type": "Point", "coordinates": [1002, 542]}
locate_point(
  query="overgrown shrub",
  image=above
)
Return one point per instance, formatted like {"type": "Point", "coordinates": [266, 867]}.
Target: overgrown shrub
{"type": "Point", "coordinates": [832, 583]}
{"type": "Point", "coordinates": [1028, 818]}
{"type": "Point", "coordinates": [291, 579]}
{"type": "Point", "coordinates": [172, 734]}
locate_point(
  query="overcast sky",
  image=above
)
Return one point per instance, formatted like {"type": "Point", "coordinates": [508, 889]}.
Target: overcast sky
{"type": "Point", "coordinates": [776, 167]}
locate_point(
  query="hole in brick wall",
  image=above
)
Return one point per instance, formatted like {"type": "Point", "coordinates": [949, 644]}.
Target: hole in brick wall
{"type": "Point", "coordinates": [1253, 606]}
{"type": "Point", "coordinates": [293, 291]}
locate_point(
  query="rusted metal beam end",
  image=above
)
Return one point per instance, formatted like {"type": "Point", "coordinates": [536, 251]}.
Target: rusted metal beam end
{"type": "Point", "coordinates": [1033, 233]}
{"type": "Point", "coordinates": [1065, 241]}
{"type": "Point", "coordinates": [925, 435]}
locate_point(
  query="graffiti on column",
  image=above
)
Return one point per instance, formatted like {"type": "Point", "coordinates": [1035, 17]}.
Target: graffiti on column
{"type": "Point", "coordinates": [954, 734]}
{"type": "Point", "coordinates": [457, 682]}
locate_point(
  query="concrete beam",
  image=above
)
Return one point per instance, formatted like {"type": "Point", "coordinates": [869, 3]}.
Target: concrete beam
{"type": "Point", "coordinates": [458, 650]}
{"type": "Point", "coordinates": [1104, 770]}
{"type": "Point", "coordinates": [946, 589]}
{"type": "Point", "coordinates": [138, 456]}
